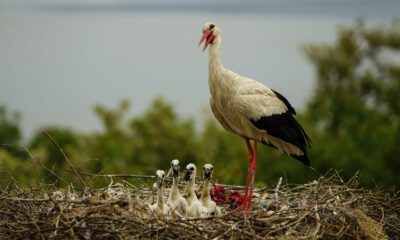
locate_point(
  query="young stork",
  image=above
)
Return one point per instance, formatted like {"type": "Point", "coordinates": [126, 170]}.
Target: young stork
{"type": "Point", "coordinates": [205, 198]}
{"type": "Point", "coordinates": [160, 209]}
{"type": "Point", "coordinates": [251, 110]}
{"type": "Point", "coordinates": [195, 208]}
{"type": "Point", "coordinates": [176, 202]}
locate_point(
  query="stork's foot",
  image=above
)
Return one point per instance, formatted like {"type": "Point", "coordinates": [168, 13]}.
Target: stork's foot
{"type": "Point", "coordinates": [245, 207]}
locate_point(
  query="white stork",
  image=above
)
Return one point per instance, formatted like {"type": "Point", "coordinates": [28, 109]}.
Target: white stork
{"type": "Point", "coordinates": [251, 110]}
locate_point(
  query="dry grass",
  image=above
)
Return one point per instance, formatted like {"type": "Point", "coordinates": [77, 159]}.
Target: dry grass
{"type": "Point", "coordinates": [327, 208]}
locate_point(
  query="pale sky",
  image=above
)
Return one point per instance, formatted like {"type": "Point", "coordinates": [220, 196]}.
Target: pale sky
{"type": "Point", "coordinates": [60, 58]}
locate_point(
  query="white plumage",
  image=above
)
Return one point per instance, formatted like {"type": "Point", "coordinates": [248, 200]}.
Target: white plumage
{"type": "Point", "coordinates": [205, 199]}
{"type": "Point", "coordinates": [251, 110]}
{"type": "Point", "coordinates": [160, 209]}
{"type": "Point", "coordinates": [195, 208]}
{"type": "Point", "coordinates": [176, 202]}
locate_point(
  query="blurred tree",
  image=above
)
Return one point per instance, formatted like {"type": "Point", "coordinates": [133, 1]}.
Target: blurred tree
{"type": "Point", "coordinates": [113, 120]}
{"type": "Point", "coordinates": [14, 168]}
{"type": "Point", "coordinates": [356, 104]}
{"type": "Point", "coordinates": [161, 136]}
{"type": "Point", "coordinates": [50, 155]}
{"type": "Point", "coordinates": [141, 144]}
{"type": "Point", "coordinates": [225, 151]}
{"type": "Point", "coordinates": [113, 146]}
{"type": "Point", "coordinates": [10, 132]}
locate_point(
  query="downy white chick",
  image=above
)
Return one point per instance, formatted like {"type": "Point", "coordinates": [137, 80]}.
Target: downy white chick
{"type": "Point", "coordinates": [160, 209]}
{"type": "Point", "coordinates": [205, 199]}
{"type": "Point", "coordinates": [195, 208]}
{"type": "Point", "coordinates": [176, 202]}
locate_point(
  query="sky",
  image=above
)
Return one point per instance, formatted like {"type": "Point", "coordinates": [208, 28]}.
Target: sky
{"type": "Point", "coordinates": [60, 58]}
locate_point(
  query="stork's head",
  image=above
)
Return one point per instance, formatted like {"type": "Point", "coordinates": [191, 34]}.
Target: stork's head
{"type": "Point", "coordinates": [210, 33]}
{"type": "Point", "coordinates": [160, 174]}
{"type": "Point", "coordinates": [175, 167]}
{"type": "Point", "coordinates": [190, 171]}
{"type": "Point", "coordinates": [207, 171]}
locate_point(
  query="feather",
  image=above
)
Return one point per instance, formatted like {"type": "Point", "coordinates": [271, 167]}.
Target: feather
{"type": "Point", "coordinates": [285, 101]}
{"type": "Point", "coordinates": [285, 127]}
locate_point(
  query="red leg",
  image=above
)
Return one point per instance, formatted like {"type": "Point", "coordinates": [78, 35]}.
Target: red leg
{"type": "Point", "coordinates": [253, 170]}
{"type": "Point", "coordinates": [249, 172]}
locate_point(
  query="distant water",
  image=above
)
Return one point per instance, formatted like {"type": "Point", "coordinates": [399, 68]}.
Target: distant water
{"type": "Point", "coordinates": [59, 58]}
{"type": "Point", "coordinates": [322, 8]}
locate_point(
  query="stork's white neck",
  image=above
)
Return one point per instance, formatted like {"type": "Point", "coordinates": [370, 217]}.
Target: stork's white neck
{"type": "Point", "coordinates": [220, 80]}
{"type": "Point", "coordinates": [174, 189]}
{"type": "Point", "coordinates": [214, 63]}
{"type": "Point", "coordinates": [205, 194]}
{"type": "Point", "coordinates": [191, 193]}
{"type": "Point", "coordinates": [160, 197]}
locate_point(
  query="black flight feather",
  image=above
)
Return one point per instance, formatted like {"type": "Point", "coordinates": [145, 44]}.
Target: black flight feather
{"type": "Point", "coordinates": [285, 101]}
{"type": "Point", "coordinates": [285, 127]}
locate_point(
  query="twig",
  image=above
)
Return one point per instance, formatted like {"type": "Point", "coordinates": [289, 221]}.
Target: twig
{"type": "Point", "coordinates": [36, 161]}
{"type": "Point", "coordinates": [112, 175]}
{"type": "Point", "coordinates": [6, 171]}
{"type": "Point", "coordinates": [277, 188]}
{"type": "Point", "coordinates": [305, 211]}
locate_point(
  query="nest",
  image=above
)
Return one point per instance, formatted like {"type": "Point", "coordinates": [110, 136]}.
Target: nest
{"type": "Point", "coordinates": [327, 208]}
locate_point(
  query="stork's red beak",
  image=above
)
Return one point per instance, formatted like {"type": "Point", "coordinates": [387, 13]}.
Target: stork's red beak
{"type": "Point", "coordinates": [210, 38]}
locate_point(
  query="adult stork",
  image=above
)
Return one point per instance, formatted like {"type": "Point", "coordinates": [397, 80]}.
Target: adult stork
{"type": "Point", "coordinates": [251, 110]}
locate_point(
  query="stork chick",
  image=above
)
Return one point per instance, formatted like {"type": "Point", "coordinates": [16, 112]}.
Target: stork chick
{"type": "Point", "coordinates": [160, 209]}
{"type": "Point", "coordinates": [195, 208]}
{"type": "Point", "coordinates": [176, 202]}
{"type": "Point", "coordinates": [205, 198]}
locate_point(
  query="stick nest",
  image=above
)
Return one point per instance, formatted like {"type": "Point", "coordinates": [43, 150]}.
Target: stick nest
{"type": "Point", "coordinates": [327, 208]}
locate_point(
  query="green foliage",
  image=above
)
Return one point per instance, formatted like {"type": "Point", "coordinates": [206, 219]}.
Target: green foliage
{"type": "Point", "coordinates": [113, 146]}
{"type": "Point", "coordinates": [17, 168]}
{"type": "Point", "coordinates": [49, 154]}
{"type": "Point", "coordinates": [161, 136]}
{"type": "Point", "coordinates": [225, 151]}
{"type": "Point", "coordinates": [9, 128]}
{"type": "Point", "coordinates": [10, 133]}
{"type": "Point", "coordinates": [355, 107]}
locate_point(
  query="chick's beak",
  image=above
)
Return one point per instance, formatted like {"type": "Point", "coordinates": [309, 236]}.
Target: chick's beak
{"type": "Point", "coordinates": [206, 35]}
{"type": "Point", "coordinates": [159, 182]}
{"type": "Point", "coordinates": [188, 175]}
{"type": "Point", "coordinates": [207, 173]}
{"type": "Point", "coordinates": [175, 170]}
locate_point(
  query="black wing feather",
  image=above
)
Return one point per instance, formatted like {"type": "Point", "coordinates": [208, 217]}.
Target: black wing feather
{"type": "Point", "coordinates": [285, 101]}
{"type": "Point", "coordinates": [284, 126]}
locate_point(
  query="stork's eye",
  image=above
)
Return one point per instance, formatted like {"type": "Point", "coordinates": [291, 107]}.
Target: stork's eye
{"type": "Point", "coordinates": [192, 168]}
{"type": "Point", "coordinates": [212, 26]}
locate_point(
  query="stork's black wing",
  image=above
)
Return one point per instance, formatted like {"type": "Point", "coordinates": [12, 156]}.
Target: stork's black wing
{"type": "Point", "coordinates": [285, 101]}
{"type": "Point", "coordinates": [285, 127]}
